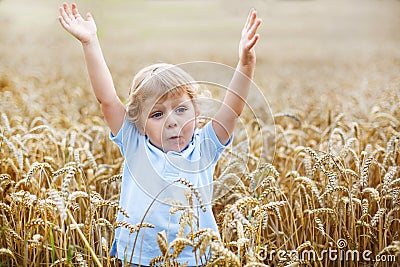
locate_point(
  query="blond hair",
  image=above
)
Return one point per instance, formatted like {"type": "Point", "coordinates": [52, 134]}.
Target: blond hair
{"type": "Point", "coordinates": [154, 83]}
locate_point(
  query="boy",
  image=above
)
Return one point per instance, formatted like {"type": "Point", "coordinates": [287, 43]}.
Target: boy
{"type": "Point", "coordinates": [158, 137]}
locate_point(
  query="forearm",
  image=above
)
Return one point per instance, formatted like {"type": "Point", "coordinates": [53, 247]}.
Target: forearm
{"type": "Point", "coordinates": [99, 74]}
{"type": "Point", "coordinates": [234, 102]}
{"type": "Point", "coordinates": [235, 98]}
{"type": "Point", "coordinates": [100, 77]}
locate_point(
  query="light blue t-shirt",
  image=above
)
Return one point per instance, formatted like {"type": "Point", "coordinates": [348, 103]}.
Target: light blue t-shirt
{"type": "Point", "coordinates": [148, 187]}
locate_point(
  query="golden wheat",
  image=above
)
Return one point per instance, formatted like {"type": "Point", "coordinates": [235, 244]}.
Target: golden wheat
{"type": "Point", "coordinates": [334, 173]}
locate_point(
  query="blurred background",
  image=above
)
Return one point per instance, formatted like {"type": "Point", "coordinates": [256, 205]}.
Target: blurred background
{"type": "Point", "coordinates": [337, 53]}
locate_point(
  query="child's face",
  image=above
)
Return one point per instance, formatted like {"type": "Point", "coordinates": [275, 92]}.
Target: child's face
{"type": "Point", "coordinates": [171, 123]}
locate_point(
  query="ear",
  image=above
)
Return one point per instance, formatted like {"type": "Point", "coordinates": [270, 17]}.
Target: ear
{"type": "Point", "coordinates": [140, 126]}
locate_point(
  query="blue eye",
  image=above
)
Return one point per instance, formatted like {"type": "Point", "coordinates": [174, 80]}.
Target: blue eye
{"type": "Point", "coordinates": [181, 109]}
{"type": "Point", "coordinates": [156, 114]}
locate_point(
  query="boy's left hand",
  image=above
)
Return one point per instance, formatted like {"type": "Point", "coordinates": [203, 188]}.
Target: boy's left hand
{"type": "Point", "coordinates": [247, 54]}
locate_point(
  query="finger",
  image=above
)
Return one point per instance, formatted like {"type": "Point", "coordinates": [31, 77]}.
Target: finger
{"type": "Point", "coordinates": [68, 12]}
{"type": "Point", "coordinates": [75, 11]}
{"type": "Point", "coordinates": [253, 30]}
{"type": "Point", "coordinates": [89, 16]}
{"type": "Point", "coordinates": [63, 23]}
{"type": "Point", "coordinates": [253, 41]}
{"type": "Point", "coordinates": [251, 18]}
{"type": "Point", "coordinates": [66, 9]}
{"type": "Point", "coordinates": [64, 15]}
{"type": "Point", "coordinates": [248, 19]}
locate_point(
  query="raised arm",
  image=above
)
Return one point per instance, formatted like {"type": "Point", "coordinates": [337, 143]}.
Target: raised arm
{"type": "Point", "coordinates": [225, 119]}
{"type": "Point", "coordinates": [100, 77]}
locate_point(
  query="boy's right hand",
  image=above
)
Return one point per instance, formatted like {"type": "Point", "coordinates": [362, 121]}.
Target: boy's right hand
{"type": "Point", "coordinates": [72, 22]}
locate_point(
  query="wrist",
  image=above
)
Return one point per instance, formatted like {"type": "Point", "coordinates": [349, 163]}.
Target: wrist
{"type": "Point", "coordinates": [249, 62]}
{"type": "Point", "coordinates": [93, 39]}
{"type": "Point", "coordinates": [247, 68]}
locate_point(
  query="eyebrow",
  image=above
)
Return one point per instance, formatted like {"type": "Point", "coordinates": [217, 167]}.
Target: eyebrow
{"type": "Point", "coordinates": [154, 109]}
{"type": "Point", "coordinates": [157, 106]}
{"type": "Point", "coordinates": [175, 102]}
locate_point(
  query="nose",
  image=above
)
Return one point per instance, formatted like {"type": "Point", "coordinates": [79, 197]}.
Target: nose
{"type": "Point", "coordinates": [171, 121]}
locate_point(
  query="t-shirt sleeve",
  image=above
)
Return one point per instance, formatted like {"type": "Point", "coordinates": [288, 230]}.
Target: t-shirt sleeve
{"type": "Point", "coordinates": [211, 146]}
{"type": "Point", "coordinates": [127, 137]}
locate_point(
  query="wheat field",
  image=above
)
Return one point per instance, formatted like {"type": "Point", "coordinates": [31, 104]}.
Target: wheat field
{"type": "Point", "coordinates": [316, 185]}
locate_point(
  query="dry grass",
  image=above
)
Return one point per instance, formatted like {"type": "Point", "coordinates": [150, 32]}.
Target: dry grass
{"type": "Point", "coordinates": [329, 170]}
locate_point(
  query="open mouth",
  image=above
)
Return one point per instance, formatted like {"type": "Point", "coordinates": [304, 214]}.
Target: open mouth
{"type": "Point", "coordinates": [177, 139]}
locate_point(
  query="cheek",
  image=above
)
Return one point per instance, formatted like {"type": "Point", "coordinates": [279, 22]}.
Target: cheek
{"type": "Point", "coordinates": [190, 124]}
{"type": "Point", "coordinates": [152, 128]}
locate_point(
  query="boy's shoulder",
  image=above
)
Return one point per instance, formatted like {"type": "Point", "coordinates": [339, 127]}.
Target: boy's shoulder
{"type": "Point", "coordinates": [127, 137]}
